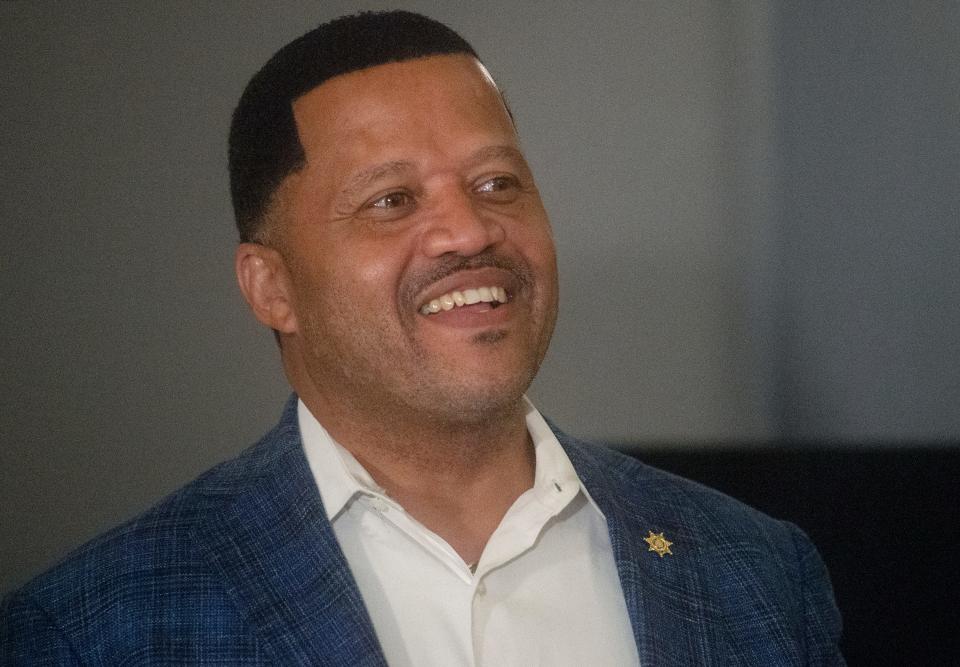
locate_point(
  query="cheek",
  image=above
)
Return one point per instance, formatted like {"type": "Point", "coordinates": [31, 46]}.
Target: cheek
{"type": "Point", "coordinates": [373, 272]}
{"type": "Point", "coordinates": [368, 276]}
{"type": "Point", "coordinates": [540, 250]}
{"type": "Point", "coordinates": [533, 231]}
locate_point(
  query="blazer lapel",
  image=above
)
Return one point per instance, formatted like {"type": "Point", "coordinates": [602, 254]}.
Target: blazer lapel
{"type": "Point", "coordinates": [273, 546]}
{"type": "Point", "coordinates": [666, 596]}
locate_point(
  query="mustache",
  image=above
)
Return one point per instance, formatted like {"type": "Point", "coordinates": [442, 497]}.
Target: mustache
{"type": "Point", "coordinates": [447, 266]}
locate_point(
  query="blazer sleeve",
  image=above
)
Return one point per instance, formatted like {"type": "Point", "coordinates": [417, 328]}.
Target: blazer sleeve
{"type": "Point", "coordinates": [822, 622]}
{"type": "Point", "coordinates": [29, 636]}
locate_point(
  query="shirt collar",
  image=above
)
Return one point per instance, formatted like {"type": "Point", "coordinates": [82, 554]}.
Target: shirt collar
{"type": "Point", "coordinates": [340, 477]}
{"type": "Point", "coordinates": [554, 472]}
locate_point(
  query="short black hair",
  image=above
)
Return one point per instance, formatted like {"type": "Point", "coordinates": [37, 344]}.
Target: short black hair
{"type": "Point", "coordinates": [264, 145]}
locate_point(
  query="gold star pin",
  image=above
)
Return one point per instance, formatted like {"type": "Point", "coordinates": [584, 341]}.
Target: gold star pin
{"type": "Point", "coordinates": [658, 544]}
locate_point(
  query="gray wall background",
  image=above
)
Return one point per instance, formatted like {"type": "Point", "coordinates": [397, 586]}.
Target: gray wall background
{"type": "Point", "coordinates": [756, 207]}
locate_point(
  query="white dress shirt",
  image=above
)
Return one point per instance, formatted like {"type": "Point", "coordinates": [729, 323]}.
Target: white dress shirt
{"type": "Point", "coordinates": [544, 592]}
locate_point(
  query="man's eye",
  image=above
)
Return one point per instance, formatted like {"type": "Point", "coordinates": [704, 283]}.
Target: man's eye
{"type": "Point", "coordinates": [498, 184]}
{"type": "Point", "coordinates": [392, 200]}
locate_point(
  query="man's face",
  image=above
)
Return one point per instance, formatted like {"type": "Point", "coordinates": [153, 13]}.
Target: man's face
{"type": "Point", "coordinates": [415, 196]}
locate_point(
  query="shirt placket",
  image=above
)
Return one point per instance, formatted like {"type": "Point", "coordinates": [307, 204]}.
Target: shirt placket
{"type": "Point", "coordinates": [515, 536]}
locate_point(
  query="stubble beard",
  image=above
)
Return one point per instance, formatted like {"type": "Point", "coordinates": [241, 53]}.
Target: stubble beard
{"type": "Point", "coordinates": [387, 383]}
{"type": "Point", "coordinates": [386, 375]}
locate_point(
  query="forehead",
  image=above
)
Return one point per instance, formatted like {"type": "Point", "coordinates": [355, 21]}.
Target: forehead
{"type": "Point", "coordinates": [441, 104]}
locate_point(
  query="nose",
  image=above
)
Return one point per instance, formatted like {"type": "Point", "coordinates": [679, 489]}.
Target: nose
{"type": "Point", "coordinates": [459, 225]}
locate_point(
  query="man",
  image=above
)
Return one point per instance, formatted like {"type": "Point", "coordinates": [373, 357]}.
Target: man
{"type": "Point", "coordinates": [411, 507]}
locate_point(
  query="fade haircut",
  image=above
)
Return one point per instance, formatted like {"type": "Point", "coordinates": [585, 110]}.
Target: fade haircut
{"type": "Point", "coordinates": [264, 145]}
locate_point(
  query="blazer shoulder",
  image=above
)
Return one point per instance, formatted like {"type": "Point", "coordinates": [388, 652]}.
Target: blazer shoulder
{"type": "Point", "coordinates": [152, 564]}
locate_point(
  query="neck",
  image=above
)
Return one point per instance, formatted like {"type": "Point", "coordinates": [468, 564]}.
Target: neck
{"type": "Point", "coordinates": [405, 451]}
{"type": "Point", "coordinates": [456, 478]}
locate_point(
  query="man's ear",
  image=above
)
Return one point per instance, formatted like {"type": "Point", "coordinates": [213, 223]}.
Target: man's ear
{"type": "Point", "coordinates": [265, 284]}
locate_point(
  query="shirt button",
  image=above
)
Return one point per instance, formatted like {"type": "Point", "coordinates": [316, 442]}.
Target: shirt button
{"type": "Point", "coordinates": [481, 589]}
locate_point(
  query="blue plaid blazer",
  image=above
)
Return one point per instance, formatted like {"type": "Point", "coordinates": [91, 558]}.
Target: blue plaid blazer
{"type": "Point", "coordinates": [242, 567]}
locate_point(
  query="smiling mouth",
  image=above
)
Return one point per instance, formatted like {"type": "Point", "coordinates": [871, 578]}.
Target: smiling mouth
{"type": "Point", "coordinates": [468, 297]}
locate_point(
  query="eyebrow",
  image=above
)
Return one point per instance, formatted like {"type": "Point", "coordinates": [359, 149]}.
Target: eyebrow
{"type": "Point", "coordinates": [489, 153]}
{"type": "Point", "coordinates": [365, 177]}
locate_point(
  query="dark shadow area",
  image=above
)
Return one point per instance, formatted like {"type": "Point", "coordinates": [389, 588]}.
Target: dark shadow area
{"type": "Point", "coordinates": [885, 519]}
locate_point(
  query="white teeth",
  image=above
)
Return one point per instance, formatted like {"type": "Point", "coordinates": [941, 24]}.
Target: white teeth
{"type": "Point", "coordinates": [467, 297]}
